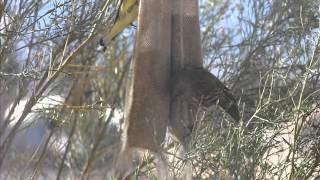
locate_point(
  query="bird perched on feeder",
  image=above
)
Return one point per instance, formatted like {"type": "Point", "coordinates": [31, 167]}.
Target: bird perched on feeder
{"type": "Point", "coordinates": [200, 87]}
{"type": "Point", "coordinates": [193, 88]}
{"type": "Point", "coordinates": [127, 14]}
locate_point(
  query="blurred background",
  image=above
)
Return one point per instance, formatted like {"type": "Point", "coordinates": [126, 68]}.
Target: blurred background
{"type": "Point", "coordinates": [62, 86]}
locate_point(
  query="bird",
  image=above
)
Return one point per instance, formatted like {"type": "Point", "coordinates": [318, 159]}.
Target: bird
{"type": "Point", "coordinates": [191, 88]}
{"type": "Point", "coordinates": [126, 15]}
{"type": "Point", "coordinates": [199, 87]}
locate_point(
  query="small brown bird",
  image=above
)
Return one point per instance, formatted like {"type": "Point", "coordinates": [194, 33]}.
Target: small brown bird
{"type": "Point", "coordinates": [199, 87]}
{"type": "Point", "coordinates": [191, 88]}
